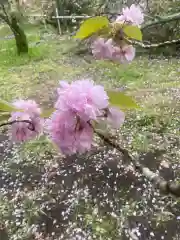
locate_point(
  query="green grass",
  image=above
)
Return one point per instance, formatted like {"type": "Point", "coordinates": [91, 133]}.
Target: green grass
{"type": "Point", "coordinates": [154, 84]}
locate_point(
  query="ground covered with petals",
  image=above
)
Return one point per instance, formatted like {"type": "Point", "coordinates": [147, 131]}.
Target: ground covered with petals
{"type": "Point", "coordinates": [96, 195]}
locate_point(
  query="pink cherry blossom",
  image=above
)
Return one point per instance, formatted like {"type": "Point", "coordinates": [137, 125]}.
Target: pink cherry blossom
{"type": "Point", "coordinates": [83, 98]}
{"type": "Point", "coordinates": [124, 54]}
{"type": "Point", "coordinates": [102, 49]}
{"type": "Point", "coordinates": [79, 103]}
{"type": "Point", "coordinates": [69, 133]}
{"type": "Point", "coordinates": [115, 117]}
{"type": "Point", "coordinates": [133, 15]}
{"type": "Point", "coordinates": [24, 131]}
{"type": "Point", "coordinates": [121, 19]}
{"type": "Point", "coordinates": [29, 106]}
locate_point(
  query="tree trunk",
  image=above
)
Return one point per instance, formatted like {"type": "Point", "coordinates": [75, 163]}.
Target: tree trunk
{"type": "Point", "coordinates": [12, 20]}
{"type": "Point", "coordinates": [20, 37]}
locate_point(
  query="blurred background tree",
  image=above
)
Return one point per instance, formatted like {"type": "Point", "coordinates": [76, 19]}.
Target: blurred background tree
{"type": "Point", "coordinates": [162, 18]}
{"type": "Point", "coordinates": [12, 15]}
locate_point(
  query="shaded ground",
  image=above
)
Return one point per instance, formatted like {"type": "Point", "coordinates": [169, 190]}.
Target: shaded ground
{"type": "Point", "coordinates": [97, 195]}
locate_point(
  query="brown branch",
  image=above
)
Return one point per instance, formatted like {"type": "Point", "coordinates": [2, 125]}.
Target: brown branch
{"type": "Point", "coordinates": [166, 187]}
{"type": "Point", "coordinates": [155, 45]}
{"type": "Point", "coordinates": [161, 20]}
{"type": "Point", "coordinates": [31, 127]}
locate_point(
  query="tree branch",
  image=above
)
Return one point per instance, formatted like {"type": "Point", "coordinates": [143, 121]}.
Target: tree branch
{"type": "Point", "coordinates": [156, 45]}
{"type": "Point", "coordinates": [165, 19]}
{"type": "Point", "coordinates": [31, 127]}
{"type": "Point", "coordinates": [5, 16]}
{"type": "Point", "coordinates": [164, 186]}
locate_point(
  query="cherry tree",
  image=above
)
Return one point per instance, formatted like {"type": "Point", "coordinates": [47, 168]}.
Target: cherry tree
{"type": "Point", "coordinates": [84, 109]}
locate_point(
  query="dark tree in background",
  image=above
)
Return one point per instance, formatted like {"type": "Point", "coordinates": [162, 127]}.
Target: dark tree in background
{"type": "Point", "coordinates": [11, 18]}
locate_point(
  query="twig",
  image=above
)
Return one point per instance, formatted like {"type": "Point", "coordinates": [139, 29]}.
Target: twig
{"type": "Point", "coordinates": [19, 121]}
{"type": "Point", "coordinates": [164, 186]}
{"type": "Point", "coordinates": [157, 45]}
{"type": "Point", "coordinates": [162, 20]}
{"type": "Point", "coordinates": [153, 45]}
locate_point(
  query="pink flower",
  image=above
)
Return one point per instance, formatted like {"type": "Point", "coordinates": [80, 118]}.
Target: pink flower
{"type": "Point", "coordinates": [83, 98]}
{"type": "Point", "coordinates": [24, 131]}
{"type": "Point", "coordinates": [28, 106]}
{"type": "Point", "coordinates": [102, 49]}
{"type": "Point", "coordinates": [115, 53]}
{"type": "Point", "coordinates": [78, 104]}
{"type": "Point", "coordinates": [115, 117]}
{"type": "Point", "coordinates": [121, 19]}
{"type": "Point", "coordinates": [124, 54]}
{"type": "Point", "coordinates": [133, 15]}
{"type": "Point", "coordinates": [69, 133]}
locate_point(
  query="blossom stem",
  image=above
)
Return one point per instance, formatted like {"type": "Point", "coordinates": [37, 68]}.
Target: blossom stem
{"type": "Point", "coordinates": [31, 127]}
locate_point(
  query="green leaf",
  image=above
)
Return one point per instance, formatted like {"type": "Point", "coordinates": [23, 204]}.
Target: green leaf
{"type": "Point", "coordinates": [6, 107]}
{"type": "Point", "coordinates": [47, 113]}
{"type": "Point", "coordinates": [92, 25]}
{"type": "Point", "coordinates": [133, 32]}
{"type": "Point", "coordinates": [122, 101]}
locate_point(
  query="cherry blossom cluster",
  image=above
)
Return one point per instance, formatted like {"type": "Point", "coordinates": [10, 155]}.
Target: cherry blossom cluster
{"type": "Point", "coordinates": [120, 52]}
{"type": "Point", "coordinates": [79, 107]}
{"type": "Point", "coordinates": [30, 123]}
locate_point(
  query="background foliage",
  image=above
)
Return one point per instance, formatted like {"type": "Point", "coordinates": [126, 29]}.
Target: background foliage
{"type": "Point", "coordinates": [153, 10]}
